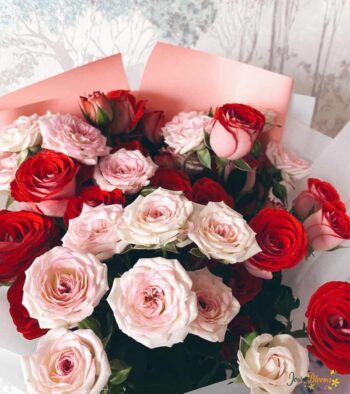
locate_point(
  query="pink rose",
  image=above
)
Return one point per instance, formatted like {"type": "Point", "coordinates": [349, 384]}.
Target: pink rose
{"type": "Point", "coordinates": [62, 287]}
{"type": "Point", "coordinates": [292, 167]}
{"type": "Point", "coordinates": [126, 170]}
{"type": "Point", "coordinates": [312, 199]}
{"type": "Point", "coordinates": [95, 231]}
{"type": "Point", "coordinates": [156, 220]}
{"type": "Point", "coordinates": [328, 227]}
{"type": "Point", "coordinates": [8, 168]}
{"type": "Point", "coordinates": [185, 132]}
{"type": "Point", "coordinates": [97, 109]}
{"type": "Point", "coordinates": [67, 362]}
{"type": "Point", "coordinates": [236, 128]}
{"type": "Point", "coordinates": [153, 302]}
{"type": "Point", "coordinates": [71, 135]}
{"type": "Point", "coordinates": [216, 306]}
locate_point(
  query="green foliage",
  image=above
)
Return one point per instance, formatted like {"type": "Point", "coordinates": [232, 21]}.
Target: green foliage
{"type": "Point", "coordinates": [204, 157]}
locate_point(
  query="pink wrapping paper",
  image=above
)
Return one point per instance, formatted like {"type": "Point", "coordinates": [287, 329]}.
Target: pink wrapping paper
{"type": "Point", "coordinates": [61, 92]}
{"type": "Point", "coordinates": [180, 79]}
{"type": "Point", "coordinates": [175, 79]}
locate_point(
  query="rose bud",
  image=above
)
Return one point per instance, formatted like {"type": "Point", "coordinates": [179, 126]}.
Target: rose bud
{"type": "Point", "coordinates": [312, 199]}
{"type": "Point", "coordinates": [127, 112]}
{"type": "Point", "coordinates": [328, 227]}
{"type": "Point", "coordinates": [236, 128]}
{"type": "Point", "coordinates": [96, 109]}
{"type": "Point", "coordinates": [152, 126]}
{"type": "Point", "coordinates": [328, 325]}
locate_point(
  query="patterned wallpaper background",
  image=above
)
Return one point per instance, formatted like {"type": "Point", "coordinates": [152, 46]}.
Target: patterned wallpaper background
{"type": "Point", "coordinates": [306, 39]}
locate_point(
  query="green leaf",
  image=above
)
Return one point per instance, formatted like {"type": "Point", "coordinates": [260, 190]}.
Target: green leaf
{"type": "Point", "coordinates": [171, 247]}
{"type": "Point", "coordinates": [120, 376]}
{"type": "Point", "coordinates": [207, 140]}
{"type": "Point", "coordinates": [285, 302]}
{"type": "Point", "coordinates": [147, 190]}
{"type": "Point", "coordinates": [105, 340]}
{"type": "Point", "coordinates": [246, 341]}
{"type": "Point", "coordinates": [92, 324]}
{"type": "Point", "coordinates": [204, 157]}
{"type": "Point", "coordinates": [256, 149]}
{"type": "Point", "coordinates": [22, 156]}
{"type": "Point", "coordinates": [242, 165]}
{"type": "Point", "coordinates": [221, 163]}
{"type": "Point", "coordinates": [238, 379]}
{"type": "Point", "coordinates": [280, 192]}
{"type": "Point", "coordinates": [9, 201]}
{"type": "Point", "coordinates": [197, 253]}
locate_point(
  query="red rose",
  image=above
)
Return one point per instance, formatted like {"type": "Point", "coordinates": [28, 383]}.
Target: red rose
{"type": "Point", "coordinates": [45, 182]}
{"type": "Point", "coordinates": [92, 196]}
{"type": "Point", "coordinates": [328, 227]}
{"type": "Point", "coordinates": [205, 190]}
{"type": "Point", "coordinates": [236, 128]}
{"type": "Point", "coordinates": [26, 325]}
{"type": "Point", "coordinates": [172, 179]}
{"type": "Point", "coordinates": [23, 237]}
{"type": "Point", "coordinates": [152, 123]}
{"type": "Point", "coordinates": [130, 145]}
{"type": "Point", "coordinates": [165, 160]}
{"type": "Point", "coordinates": [282, 239]}
{"type": "Point", "coordinates": [328, 325]}
{"type": "Point", "coordinates": [311, 200]}
{"type": "Point", "coordinates": [244, 285]}
{"type": "Point", "coordinates": [126, 111]}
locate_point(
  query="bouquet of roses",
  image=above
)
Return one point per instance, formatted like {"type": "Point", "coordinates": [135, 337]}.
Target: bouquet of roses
{"type": "Point", "coordinates": [147, 254]}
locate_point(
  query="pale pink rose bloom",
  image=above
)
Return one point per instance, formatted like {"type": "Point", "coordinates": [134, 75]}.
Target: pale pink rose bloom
{"type": "Point", "coordinates": [216, 306]}
{"type": "Point", "coordinates": [62, 287]}
{"type": "Point", "coordinates": [22, 134]}
{"type": "Point", "coordinates": [157, 219]}
{"type": "Point", "coordinates": [328, 227]}
{"type": "Point", "coordinates": [292, 167]}
{"type": "Point", "coordinates": [67, 362]}
{"type": "Point", "coordinates": [8, 168]}
{"type": "Point", "coordinates": [270, 364]}
{"type": "Point", "coordinates": [127, 170]}
{"type": "Point", "coordinates": [153, 302]}
{"type": "Point", "coordinates": [222, 233]}
{"type": "Point", "coordinates": [185, 132]}
{"type": "Point", "coordinates": [73, 136]}
{"type": "Point", "coordinates": [95, 231]}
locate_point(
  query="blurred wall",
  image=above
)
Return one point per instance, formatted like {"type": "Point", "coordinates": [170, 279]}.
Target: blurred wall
{"type": "Point", "coordinates": [306, 39]}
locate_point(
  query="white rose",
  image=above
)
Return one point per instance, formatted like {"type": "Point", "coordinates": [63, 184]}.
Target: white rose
{"type": "Point", "coordinates": [22, 134]}
{"type": "Point", "coordinates": [221, 233]}
{"type": "Point", "coordinates": [273, 365]}
{"type": "Point", "coordinates": [292, 167]}
{"type": "Point", "coordinates": [185, 132]}
{"type": "Point", "coordinates": [62, 287]}
{"type": "Point", "coordinates": [216, 306]}
{"type": "Point", "coordinates": [127, 170]}
{"type": "Point", "coordinates": [156, 220]}
{"type": "Point", "coordinates": [8, 168]}
{"type": "Point", "coordinates": [67, 362]}
{"type": "Point", "coordinates": [95, 231]}
{"type": "Point", "coordinates": [153, 302]}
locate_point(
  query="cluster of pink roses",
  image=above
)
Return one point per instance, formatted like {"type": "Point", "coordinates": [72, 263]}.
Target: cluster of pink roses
{"type": "Point", "coordinates": [124, 180]}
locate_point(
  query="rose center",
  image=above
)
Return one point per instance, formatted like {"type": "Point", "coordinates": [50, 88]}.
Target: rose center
{"type": "Point", "coordinates": [153, 302]}
{"type": "Point", "coordinates": [339, 323]}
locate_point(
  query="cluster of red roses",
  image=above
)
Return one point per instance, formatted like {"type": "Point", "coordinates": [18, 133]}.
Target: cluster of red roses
{"type": "Point", "coordinates": [52, 181]}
